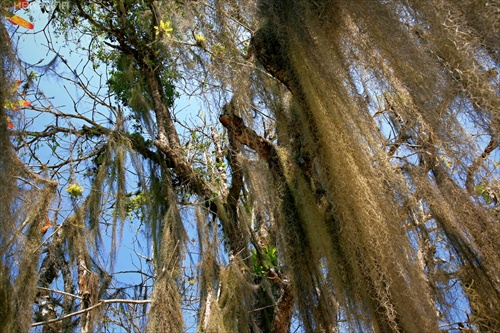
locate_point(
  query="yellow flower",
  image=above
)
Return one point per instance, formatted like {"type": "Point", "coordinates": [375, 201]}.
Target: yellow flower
{"type": "Point", "coordinates": [74, 190]}
{"type": "Point", "coordinates": [200, 39]}
{"type": "Point", "coordinates": [164, 28]}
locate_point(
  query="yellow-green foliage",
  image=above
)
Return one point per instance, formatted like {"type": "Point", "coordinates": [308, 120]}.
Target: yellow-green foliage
{"type": "Point", "coordinates": [169, 238]}
{"type": "Point", "coordinates": [166, 315]}
{"type": "Point", "coordinates": [74, 190]}
{"type": "Point", "coordinates": [235, 290]}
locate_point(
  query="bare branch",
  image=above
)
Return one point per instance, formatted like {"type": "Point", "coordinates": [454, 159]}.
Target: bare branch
{"type": "Point", "coordinates": [102, 302]}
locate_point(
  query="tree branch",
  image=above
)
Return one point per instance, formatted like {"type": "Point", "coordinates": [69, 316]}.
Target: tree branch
{"type": "Point", "coordinates": [101, 302]}
{"type": "Point", "coordinates": [469, 182]}
{"type": "Point", "coordinates": [247, 136]}
{"type": "Point", "coordinates": [267, 151]}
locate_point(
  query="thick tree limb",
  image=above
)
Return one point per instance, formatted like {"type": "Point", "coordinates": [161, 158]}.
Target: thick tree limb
{"type": "Point", "coordinates": [269, 49]}
{"type": "Point", "coordinates": [235, 163]}
{"type": "Point", "coordinates": [284, 305]}
{"type": "Point", "coordinates": [267, 151]}
{"type": "Point", "coordinates": [248, 137]}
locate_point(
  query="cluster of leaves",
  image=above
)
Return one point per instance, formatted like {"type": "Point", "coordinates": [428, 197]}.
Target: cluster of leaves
{"type": "Point", "coordinates": [74, 190]}
{"type": "Point", "coordinates": [128, 84]}
{"type": "Point", "coordinates": [127, 81]}
{"type": "Point", "coordinates": [264, 260]}
{"type": "Point", "coordinates": [136, 202]}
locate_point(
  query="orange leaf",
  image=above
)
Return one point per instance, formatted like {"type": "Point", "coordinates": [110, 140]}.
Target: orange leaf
{"type": "Point", "coordinates": [14, 105]}
{"type": "Point", "coordinates": [13, 18]}
{"type": "Point", "coordinates": [20, 22]}
{"type": "Point", "coordinates": [10, 125]}
{"type": "Point", "coordinates": [46, 226]}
